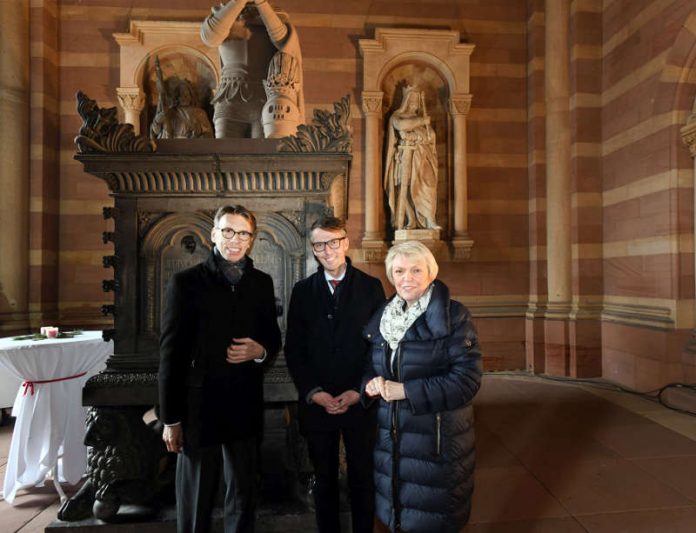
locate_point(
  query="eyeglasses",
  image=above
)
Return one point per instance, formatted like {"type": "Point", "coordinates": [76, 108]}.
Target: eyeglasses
{"type": "Point", "coordinates": [229, 233]}
{"type": "Point", "coordinates": [321, 246]}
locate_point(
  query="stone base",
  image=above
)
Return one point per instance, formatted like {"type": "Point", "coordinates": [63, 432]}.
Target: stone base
{"type": "Point", "coordinates": [374, 250]}
{"type": "Point", "coordinates": [428, 237]}
{"type": "Point", "coordinates": [461, 249]}
{"type": "Point", "coordinates": [422, 235]}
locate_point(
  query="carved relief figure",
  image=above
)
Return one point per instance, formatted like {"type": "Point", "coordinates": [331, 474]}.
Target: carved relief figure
{"type": "Point", "coordinates": [410, 175]}
{"type": "Point", "coordinates": [178, 115]}
{"type": "Point", "coordinates": [238, 104]}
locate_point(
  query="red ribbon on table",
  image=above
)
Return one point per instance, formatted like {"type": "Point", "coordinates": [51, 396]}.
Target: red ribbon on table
{"type": "Point", "coordinates": [29, 385]}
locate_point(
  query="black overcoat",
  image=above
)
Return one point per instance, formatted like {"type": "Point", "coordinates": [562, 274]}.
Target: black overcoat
{"type": "Point", "coordinates": [202, 312]}
{"type": "Point", "coordinates": [424, 456]}
{"type": "Point", "coordinates": [324, 345]}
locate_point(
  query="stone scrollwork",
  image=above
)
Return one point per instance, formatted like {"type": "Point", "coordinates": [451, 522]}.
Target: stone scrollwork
{"type": "Point", "coordinates": [101, 131]}
{"type": "Point", "coordinates": [329, 133]}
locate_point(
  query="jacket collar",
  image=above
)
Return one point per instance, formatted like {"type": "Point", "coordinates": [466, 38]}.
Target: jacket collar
{"type": "Point", "coordinates": [346, 277]}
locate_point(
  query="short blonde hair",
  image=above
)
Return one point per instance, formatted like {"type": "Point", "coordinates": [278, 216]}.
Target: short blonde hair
{"type": "Point", "coordinates": [411, 250]}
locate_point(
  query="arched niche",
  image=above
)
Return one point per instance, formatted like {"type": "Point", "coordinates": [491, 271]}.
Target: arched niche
{"type": "Point", "coordinates": [443, 57]}
{"type": "Point", "coordinates": [181, 52]}
{"type": "Point", "coordinates": [433, 83]}
{"type": "Point", "coordinates": [170, 243]}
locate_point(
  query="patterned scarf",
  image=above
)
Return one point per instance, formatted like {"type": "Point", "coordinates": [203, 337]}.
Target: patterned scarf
{"type": "Point", "coordinates": [396, 319]}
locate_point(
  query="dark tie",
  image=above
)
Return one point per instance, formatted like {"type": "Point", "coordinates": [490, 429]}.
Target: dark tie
{"type": "Point", "coordinates": [334, 283]}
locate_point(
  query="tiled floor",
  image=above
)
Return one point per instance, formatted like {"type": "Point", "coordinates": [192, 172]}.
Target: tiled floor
{"type": "Point", "coordinates": [552, 458]}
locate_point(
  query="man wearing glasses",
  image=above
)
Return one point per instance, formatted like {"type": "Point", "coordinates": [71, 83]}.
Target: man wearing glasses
{"type": "Point", "coordinates": [218, 327]}
{"type": "Point", "coordinates": [326, 355]}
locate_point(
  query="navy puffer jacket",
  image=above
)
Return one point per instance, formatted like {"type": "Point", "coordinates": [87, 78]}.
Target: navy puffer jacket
{"type": "Point", "coordinates": [424, 456]}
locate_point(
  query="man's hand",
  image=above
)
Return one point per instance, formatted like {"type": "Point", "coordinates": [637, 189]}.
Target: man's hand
{"type": "Point", "coordinates": [243, 350]}
{"type": "Point", "coordinates": [173, 437]}
{"type": "Point", "coordinates": [328, 402]}
{"type": "Point", "coordinates": [389, 390]}
{"type": "Point", "coordinates": [345, 400]}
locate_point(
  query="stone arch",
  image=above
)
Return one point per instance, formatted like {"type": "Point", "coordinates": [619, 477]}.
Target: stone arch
{"type": "Point", "coordinates": [437, 64]}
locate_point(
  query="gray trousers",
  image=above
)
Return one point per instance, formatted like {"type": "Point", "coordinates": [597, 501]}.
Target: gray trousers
{"type": "Point", "coordinates": [197, 480]}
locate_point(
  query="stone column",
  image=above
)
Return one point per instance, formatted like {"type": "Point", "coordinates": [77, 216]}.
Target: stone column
{"type": "Point", "coordinates": [132, 101]}
{"type": "Point", "coordinates": [14, 154]}
{"type": "Point", "coordinates": [459, 106]}
{"type": "Point", "coordinates": [374, 247]}
{"type": "Point", "coordinates": [558, 200]}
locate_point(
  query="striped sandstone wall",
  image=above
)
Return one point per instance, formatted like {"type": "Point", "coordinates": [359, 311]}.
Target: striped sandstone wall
{"type": "Point", "coordinates": [647, 186]}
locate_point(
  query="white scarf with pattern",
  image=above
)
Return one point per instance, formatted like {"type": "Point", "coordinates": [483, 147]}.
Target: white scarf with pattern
{"type": "Point", "coordinates": [396, 319]}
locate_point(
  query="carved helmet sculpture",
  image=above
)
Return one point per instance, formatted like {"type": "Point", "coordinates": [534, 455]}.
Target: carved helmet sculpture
{"type": "Point", "coordinates": [281, 115]}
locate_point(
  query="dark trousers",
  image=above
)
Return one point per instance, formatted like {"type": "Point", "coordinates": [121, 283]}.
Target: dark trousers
{"type": "Point", "coordinates": [197, 480]}
{"type": "Point", "coordinates": [323, 451]}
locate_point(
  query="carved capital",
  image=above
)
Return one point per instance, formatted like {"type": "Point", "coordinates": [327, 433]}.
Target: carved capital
{"type": "Point", "coordinates": [372, 102]}
{"type": "Point", "coordinates": [130, 98]}
{"type": "Point", "coordinates": [460, 104]}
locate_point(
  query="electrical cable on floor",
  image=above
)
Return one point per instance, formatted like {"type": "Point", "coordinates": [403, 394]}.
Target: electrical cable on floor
{"type": "Point", "coordinates": [656, 395]}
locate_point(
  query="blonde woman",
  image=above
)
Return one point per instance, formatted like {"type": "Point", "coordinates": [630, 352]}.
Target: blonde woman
{"type": "Point", "coordinates": [425, 371]}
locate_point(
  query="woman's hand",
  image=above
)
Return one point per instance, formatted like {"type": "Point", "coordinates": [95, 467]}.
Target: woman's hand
{"type": "Point", "coordinates": [389, 390]}
{"type": "Point", "coordinates": [373, 387]}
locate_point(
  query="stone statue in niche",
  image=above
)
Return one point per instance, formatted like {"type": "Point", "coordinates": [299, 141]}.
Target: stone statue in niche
{"type": "Point", "coordinates": [239, 106]}
{"type": "Point", "coordinates": [178, 115]}
{"type": "Point", "coordinates": [410, 175]}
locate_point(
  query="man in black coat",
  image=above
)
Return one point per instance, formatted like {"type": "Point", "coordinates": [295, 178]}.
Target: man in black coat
{"type": "Point", "coordinates": [327, 355]}
{"type": "Point", "coordinates": [218, 327]}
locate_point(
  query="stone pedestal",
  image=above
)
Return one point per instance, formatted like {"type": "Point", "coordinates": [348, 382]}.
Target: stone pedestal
{"type": "Point", "coordinates": [429, 237]}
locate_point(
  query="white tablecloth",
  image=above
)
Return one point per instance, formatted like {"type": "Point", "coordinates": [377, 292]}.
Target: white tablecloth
{"type": "Point", "coordinates": [50, 425]}
{"type": "Point", "coordinates": [9, 383]}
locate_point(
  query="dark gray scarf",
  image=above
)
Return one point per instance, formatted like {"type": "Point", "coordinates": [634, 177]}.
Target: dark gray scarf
{"type": "Point", "coordinates": [233, 272]}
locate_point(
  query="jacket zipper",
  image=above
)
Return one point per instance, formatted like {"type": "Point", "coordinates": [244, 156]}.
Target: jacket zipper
{"type": "Point", "coordinates": [395, 448]}
{"type": "Point", "coordinates": [438, 433]}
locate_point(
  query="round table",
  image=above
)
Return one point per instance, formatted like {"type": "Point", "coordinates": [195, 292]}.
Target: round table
{"type": "Point", "coordinates": [50, 426]}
